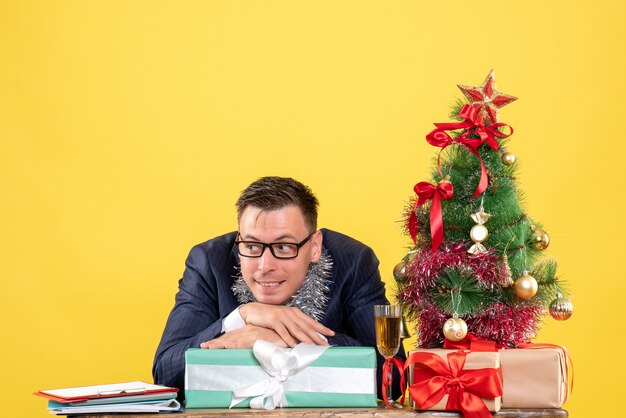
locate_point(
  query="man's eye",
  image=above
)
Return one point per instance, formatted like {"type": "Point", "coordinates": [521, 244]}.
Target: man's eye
{"type": "Point", "coordinates": [284, 248]}
{"type": "Point", "coordinates": [252, 247]}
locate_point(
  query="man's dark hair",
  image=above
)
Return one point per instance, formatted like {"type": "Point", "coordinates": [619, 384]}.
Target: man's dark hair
{"type": "Point", "coordinates": [271, 193]}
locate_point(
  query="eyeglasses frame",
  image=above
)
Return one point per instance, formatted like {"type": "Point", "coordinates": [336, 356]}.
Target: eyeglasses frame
{"type": "Point", "coordinates": [270, 244]}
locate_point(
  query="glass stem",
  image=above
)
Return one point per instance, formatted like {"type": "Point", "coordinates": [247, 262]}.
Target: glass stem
{"type": "Point", "coordinates": [389, 389]}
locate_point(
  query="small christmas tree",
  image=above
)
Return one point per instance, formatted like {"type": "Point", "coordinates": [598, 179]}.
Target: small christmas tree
{"type": "Point", "coordinates": [477, 262]}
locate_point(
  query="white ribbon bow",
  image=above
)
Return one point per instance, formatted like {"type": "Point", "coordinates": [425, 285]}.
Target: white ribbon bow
{"type": "Point", "coordinates": [279, 363]}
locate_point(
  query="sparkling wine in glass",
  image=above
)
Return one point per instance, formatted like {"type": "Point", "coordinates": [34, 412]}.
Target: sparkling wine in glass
{"type": "Point", "coordinates": [388, 322]}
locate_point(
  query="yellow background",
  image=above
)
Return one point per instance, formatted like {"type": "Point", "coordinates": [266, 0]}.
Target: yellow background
{"type": "Point", "coordinates": [128, 128]}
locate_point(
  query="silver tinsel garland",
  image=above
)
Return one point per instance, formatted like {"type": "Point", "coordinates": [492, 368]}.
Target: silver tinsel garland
{"type": "Point", "coordinates": [312, 296]}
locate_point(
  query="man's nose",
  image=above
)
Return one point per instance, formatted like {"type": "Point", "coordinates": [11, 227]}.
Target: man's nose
{"type": "Point", "coordinates": [267, 261]}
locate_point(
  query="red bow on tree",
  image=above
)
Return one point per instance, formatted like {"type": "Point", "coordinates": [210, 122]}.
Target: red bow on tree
{"type": "Point", "coordinates": [473, 124]}
{"type": "Point", "coordinates": [426, 191]}
{"type": "Point", "coordinates": [433, 378]}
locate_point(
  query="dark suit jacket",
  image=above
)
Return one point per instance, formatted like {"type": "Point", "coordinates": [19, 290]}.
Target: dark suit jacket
{"type": "Point", "coordinates": [205, 298]}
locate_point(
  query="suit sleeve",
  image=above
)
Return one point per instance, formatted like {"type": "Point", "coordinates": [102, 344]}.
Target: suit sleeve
{"type": "Point", "coordinates": [194, 319]}
{"type": "Point", "coordinates": [364, 289]}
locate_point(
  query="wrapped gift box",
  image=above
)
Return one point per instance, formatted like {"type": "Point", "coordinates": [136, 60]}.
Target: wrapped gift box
{"type": "Point", "coordinates": [534, 378]}
{"type": "Point", "coordinates": [339, 377]}
{"type": "Point", "coordinates": [473, 361]}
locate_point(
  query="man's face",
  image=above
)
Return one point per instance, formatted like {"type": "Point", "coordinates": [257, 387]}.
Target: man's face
{"type": "Point", "coordinates": [271, 280]}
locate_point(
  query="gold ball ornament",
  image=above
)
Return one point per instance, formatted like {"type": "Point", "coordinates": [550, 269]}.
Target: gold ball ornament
{"type": "Point", "coordinates": [541, 240]}
{"type": "Point", "coordinates": [455, 329]}
{"type": "Point", "coordinates": [508, 158]}
{"type": "Point", "coordinates": [525, 286]}
{"type": "Point", "coordinates": [561, 308]}
{"type": "Point", "coordinates": [399, 271]}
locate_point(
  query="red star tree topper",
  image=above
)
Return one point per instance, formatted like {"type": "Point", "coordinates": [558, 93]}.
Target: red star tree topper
{"type": "Point", "coordinates": [486, 99]}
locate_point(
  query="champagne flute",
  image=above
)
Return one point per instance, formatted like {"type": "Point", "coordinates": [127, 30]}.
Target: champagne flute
{"type": "Point", "coordinates": [388, 322]}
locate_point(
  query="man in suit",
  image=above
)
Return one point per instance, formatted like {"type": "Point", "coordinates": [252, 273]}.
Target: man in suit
{"type": "Point", "coordinates": [278, 278]}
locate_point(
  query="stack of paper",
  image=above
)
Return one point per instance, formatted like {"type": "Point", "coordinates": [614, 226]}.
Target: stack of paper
{"type": "Point", "coordinates": [114, 398]}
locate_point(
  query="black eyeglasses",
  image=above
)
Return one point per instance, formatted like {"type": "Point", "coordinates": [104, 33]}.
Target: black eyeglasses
{"type": "Point", "coordinates": [280, 250]}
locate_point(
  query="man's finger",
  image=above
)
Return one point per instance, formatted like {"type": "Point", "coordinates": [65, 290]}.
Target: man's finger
{"type": "Point", "coordinates": [214, 343]}
{"type": "Point", "coordinates": [314, 325]}
{"type": "Point", "coordinates": [302, 327]}
{"type": "Point", "coordinates": [286, 334]}
{"type": "Point", "coordinates": [311, 336]}
{"type": "Point", "coordinates": [318, 327]}
{"type": "Point", "coordinates": [304, 334]}
{"type": "Point", "coordinates": [317, 339]}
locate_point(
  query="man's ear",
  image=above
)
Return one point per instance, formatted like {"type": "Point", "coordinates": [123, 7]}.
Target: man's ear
{"type": "Point", "coordinates": [316, 246]}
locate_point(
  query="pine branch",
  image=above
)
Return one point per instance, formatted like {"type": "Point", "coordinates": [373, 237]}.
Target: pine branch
{"type": "Point", "coordinates": [459, 292]}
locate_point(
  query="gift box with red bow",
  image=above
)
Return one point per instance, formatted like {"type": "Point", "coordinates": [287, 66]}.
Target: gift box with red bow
{"type": "Point", "coordinates": [456, 380]}
{"type": "Point", "coordinates": [533, 375]}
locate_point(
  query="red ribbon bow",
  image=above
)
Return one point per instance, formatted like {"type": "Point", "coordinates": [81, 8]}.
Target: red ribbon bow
{"type": "Point", "coordinates": [388, 378]}
{"type": "Point", "coordinates": [433, 378]}
{"type": "Point", "coordinates": [426, 191]}
{"type": "Point", "coordinates": [473, 124]}
{"type": "Point", "coordinates": [472, 343]}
